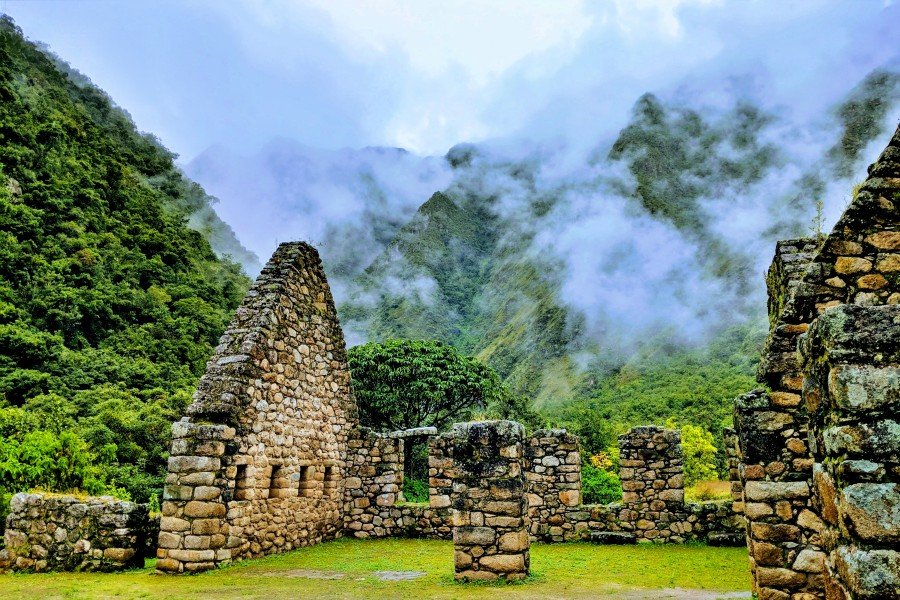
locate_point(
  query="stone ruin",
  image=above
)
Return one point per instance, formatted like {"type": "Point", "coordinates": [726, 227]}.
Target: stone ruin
{"type": "Point", "coordinates": [271, 456]}
{"type": "Point", "coordinates": [52, 532]}
{"type": "Point", "coordinates": [259, 464]}
{"type": "Point", "coordinates": [817, 453]}
{"type": "Point", "coordinates": [489, 511]}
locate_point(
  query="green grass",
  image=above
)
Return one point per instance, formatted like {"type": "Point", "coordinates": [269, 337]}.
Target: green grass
{"type": "Point", "coordinates": [558, 571]}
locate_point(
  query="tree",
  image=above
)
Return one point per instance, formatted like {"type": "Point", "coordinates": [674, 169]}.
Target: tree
{"type": "Point", "coordinates": [699, 454]}
{"type": "Point", "coordinates": [401, 384]}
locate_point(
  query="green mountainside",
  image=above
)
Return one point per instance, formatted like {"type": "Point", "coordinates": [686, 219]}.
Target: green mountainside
{"type": "Point", "coordinates": [110, 304]}
{"type": "Point", "coordinates": [467, 270]}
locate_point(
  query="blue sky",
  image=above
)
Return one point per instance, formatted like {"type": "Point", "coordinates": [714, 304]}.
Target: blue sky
{"type": "Point", "coordinates": [427, 74]}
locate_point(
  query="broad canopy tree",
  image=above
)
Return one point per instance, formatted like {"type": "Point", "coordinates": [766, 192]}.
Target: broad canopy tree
{"type": "Point", "coordinates": [402, 384]}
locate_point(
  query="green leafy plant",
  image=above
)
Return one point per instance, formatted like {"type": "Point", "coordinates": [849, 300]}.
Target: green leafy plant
{"type": "Point", "coordinates": [415, 490]}
{"type": "Point", "coordinates": [402, 384]}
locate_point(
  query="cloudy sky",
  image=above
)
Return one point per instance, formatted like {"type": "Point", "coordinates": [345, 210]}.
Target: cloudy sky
{"type": "Point", "coordinates": [426, 74]}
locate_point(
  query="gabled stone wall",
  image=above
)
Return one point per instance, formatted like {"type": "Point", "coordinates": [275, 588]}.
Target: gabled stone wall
{"type": "Point", "coordinates": [52, 532]}
{"type": "Point", "coordinates": [258, 467]}
{"type": "Point", "coordinates": [851, 356]}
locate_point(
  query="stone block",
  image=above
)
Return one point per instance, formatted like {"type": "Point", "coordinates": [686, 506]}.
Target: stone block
{"type": "Point", "coordinates": [471, 536]}
{"type": "Point", "coordinates": [503, 563]}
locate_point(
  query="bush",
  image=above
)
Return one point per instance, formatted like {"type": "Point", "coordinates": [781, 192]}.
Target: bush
{"type": "Point", "coordinates": [599, 486]}
{"type": "Point", "coordinates": [708, 491]}
{"type": "Point", "coordinates": [699, 454]}
{"type": "Point", "coordinates": [415, 490]}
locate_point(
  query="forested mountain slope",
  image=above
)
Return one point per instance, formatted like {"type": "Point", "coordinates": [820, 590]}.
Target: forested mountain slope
{"type": "Point", "coordinates": [627, 279]}
{"type": "Point", "coordinates": [110, 304]}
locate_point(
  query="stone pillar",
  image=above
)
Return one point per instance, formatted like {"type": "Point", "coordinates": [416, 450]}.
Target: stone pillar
{"type": "Point", "coordinates": [733, 462]}
{"type": "Point", "coordinates": [553, 476]}
{"type": "Point", "coordinates": [851, 359]}
{"type": "Point", "coordinates": [193, 533]}
{"type": "Point", "coordinates": [652, 474]}
{"type": "Point", "coordinates": [489, 509]}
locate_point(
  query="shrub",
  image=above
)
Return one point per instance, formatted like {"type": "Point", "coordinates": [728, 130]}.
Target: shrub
{"type": "Point", "coordinates": [415, 490]}
{"type": "Point", "coordinates": [599, 486]}
{"type": "Point", "coordinates": [708, 491]}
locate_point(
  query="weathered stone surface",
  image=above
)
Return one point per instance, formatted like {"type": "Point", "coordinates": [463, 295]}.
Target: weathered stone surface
{"type": "Point", "coordinates": [258, 465]}
{"type": "Point", "coordinates": [873, 511]}
{"type": "Point", "coordinates": [51, 532]}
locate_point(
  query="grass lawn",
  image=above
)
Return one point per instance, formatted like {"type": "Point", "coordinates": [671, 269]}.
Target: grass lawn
{"type": "Point", "coordinates": [348, 569]}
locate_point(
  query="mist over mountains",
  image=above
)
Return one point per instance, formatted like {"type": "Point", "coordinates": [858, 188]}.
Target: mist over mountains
{"type": "Point", "coordinates": [552, 259]}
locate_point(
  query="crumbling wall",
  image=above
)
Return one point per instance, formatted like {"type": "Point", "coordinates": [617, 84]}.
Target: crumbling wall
{"type": "Point", "coordinates": [553, 474]}
{"type": "Point", "coordinates": [489, 510]}
{"type": "Point", "coordinates": [653, 507]}
{"type": "Point", "coordinates": [732, 462]}
{"type": "Point", "coordinates": [374, 502]}
{"type": "Point", "coordinates": [858, 263]}
{"type": "Point", "coordinates": [851, 356]}
{"type": "Point", "coordinates": [652, 474]}
{"type": "Point", "coordinates": [258, 465]}
{"type": "Point", "coordinates": [51, 532]}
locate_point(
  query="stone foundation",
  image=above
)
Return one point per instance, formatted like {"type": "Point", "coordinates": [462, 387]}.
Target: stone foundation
{"type": "Point", "coordinates": [489, 510]}
{"type": "Point", "coordinates": [49, 532]}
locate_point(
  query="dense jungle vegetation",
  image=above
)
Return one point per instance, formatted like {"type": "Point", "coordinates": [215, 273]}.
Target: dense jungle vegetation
{"type": "Point", "coordinates": [110, 304]}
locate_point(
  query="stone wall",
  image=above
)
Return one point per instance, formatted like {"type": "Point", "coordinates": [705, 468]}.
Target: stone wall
{"type": "Point", "coordinates": [374, 503]}
{"type": "Point", "coordinates": [50, 532]}
{"type": "Point", "coordinates": [553, 474]}
{"type": "Point", "coordinates": [652, 474]}
{"type": "Point", "coordinates": [258, 466]}
{"type": "Point", "coordinates": [653, 507]}
{"type": "Point", "coordinates": [489, 511]}
{"type": "Point", "coordinates": [851, 356]}
{"type": "Point", "coordinates": [857, 263]}
{"type": "Point", "coordinates": [733, 462]}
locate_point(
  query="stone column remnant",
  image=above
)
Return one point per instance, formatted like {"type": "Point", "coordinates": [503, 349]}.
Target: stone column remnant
{"type": "Point", "coordinates": [652, 473]}
{"type": "Point", "coordinates": [489, 509]}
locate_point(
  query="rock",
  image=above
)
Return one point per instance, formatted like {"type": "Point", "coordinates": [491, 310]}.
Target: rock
{"type": "Point", "coordinates": [471, 536]}
{"type": "Point", "coordinates": [503, 563]}
{"type": "Point", "coordinates": [612, 537]}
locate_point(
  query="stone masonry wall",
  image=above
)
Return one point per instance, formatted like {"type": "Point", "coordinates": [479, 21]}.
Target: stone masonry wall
{"type": "Point", "coordinates": [733, 461]}
{"type": "Point", "coordinates": [49, 532]}
{"type": "Point", "coordinates": [553, 474]}
{"type": "Point", "coordinates": [374, 503]}
{"type": "Point", "coordinates": [851, 357]}
{"type": "Point", "coordinates": [489, 510]}
{"type": "Point", "coordinates": [858, 263]}
{"type": "Point", "coordinates": [258, 465]}
{"type": "Point", "coordinates": [652, 481]}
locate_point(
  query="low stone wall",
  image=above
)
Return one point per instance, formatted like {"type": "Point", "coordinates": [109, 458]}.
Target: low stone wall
{"type": "Point", "coordinates": [851, 357]}
{"type": "Point", "coordinates": [373, 503]}
{"type": "Point", "coordinates": [49, 532]}
{"type": "Point", "coordinates": [489, 510]}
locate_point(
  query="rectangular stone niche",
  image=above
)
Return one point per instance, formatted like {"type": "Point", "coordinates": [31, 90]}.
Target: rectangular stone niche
{"type": "Point", "coordinates": [488, 504]}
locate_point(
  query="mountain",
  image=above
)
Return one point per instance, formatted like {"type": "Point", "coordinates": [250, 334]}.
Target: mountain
{"type": "Point", "coordinates": [112, 296]}
{"type": "Point", "coordinates": [565, 269]}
